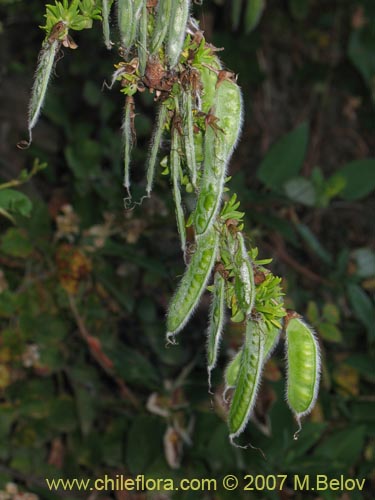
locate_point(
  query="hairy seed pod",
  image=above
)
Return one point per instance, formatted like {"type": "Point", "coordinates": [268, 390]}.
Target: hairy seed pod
{"type": "Point", "coordinates": [248, 378]}
{"type": "Point", "coordinates": [216, 323]}
{"type": "Point", "coordinates": [163, 16]}
{"type": "Point", "coordinates": [156, 140]}
{"type": "Point", "coordinates": [208, 77]}
{"type": "Point", "coordinates": [142, 38]}
{"type": "Point", "coordinates": [218, 148]}
{"type": "Point", "coordinates": [43, 73]}
{"type": "Point", "coordinates": [175, 166]}
{"type": "Point", "coordinates": [189, 140]}
{"type": "Point", "coordinates": [126, 22]}
{"type": "Point", "coordinates": [303, 359]}
{"type": "Point", "coordinates": [272, 336]}
{"type": "Point", "coordinates": [127, 133]}
{"type": "Point", "coordinates": [244, 285]}
{"type": "Point", "coordinates": [177, 30]}
{"type": "Point", "coordinates": [193, 283]}
{"type": "Point", "coordinates": [105, 22]}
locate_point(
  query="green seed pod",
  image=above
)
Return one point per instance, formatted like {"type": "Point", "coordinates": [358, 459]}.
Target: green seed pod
{"type": "Point", "coordinates": [177, 30]}
{"type": "Point", "coordinates": [208, 77]}
{"type": "Point", "coordinates": [142, 38]}
{"type": "Point", "coordinates": [105, 22]}
{"type": "Point", "coordinates": [232, 369]}
{"type": "Point", "coordinates": [231, 372]}
{"type": "Point", "coordinates": [43, 73]}
{"type": "Point", "coordinates": [244, 285]}
{"type": "Point", "coordinates": [126, 22]}
{"type": "Point", "coordinates": [216, 323]}
{"type": "Point", "coordinates": [248, 378]}
{"type": "Point", "coordinates": [189, 140]}
{"type": "Point", "coordinates": [127, 133]}
{"type": "Point", "coordinates": [156, 141]}
{"type": "Point", "coordinates": [175, 166]}
{"type": "Point", "coordinates": [193, 283]}
{"type": "Point", "coordinates": [218, 148]}
{"type": "Point", "coordinates": [303, 359]}
{"type": "Point", "coordinates": [163, 16]}
{"type": "Point", "coordinates": [272, 338]}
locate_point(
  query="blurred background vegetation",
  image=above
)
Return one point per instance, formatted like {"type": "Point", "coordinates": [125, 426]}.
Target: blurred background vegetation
{"type": "Point", "coordinates": [87, 386]}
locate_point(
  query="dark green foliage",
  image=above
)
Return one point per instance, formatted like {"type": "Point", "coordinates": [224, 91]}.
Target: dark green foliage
{"type": "Point", "coordinates": [73, 400]}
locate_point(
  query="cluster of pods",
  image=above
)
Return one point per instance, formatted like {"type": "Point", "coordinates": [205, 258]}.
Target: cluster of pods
{"type": "Point", "coordinates": [163, 51]}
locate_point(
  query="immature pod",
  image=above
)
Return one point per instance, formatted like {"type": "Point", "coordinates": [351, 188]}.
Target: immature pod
{"type": "Point", "coordinates": [244, 285]}
{"type": "Point", "coordinates": [175, 166]}
{"type": "Point", "coordinates": [248, 378]}
{"type": "Point", "coordinates": [162, 20]}
{"type": "Point", "coordinates": [303, 359]}
{"type": "Point", "coordinates": [177, 30]}
{"type": "Point", "coordinates": [216, 323]}
{"type": "Point", "coordinates": [126, 22]}
{"type": "Point", "coordinates": [193, 283]}
{"type": "Point", "coordinates": [127, 133]}
{"type": "Point", "coordinates": [43, 73]}
{"type": "Point", "coordinates": [208, 77]}
{"type": "Point", "coordinates": [189, 139]}
{"type": "Point", "coordinates": [218, 148]}
{"type": "Point", "coordinates": [156, 141]}
{"type": "Point", "coordinates": [142, 38]}
{"type": "Point", "coordinates": [105, 22]}
{"type": "Point", "coordinates": [272, 335]}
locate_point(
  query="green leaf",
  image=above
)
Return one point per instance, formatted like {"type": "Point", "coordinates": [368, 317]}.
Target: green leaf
{"type": "Point", "coordinates": [144, 442]}
{"type": "Point", "coordinates": [314, 244]}
{"type": "Point", "coordinates": [360, 179]}
{"type": "Point", "coordinates": [361, 52]}
{"type": "Point", "coordinates": [133, 367]}
{"type": "Point", "coordinates": [16, 243]}
{"type": "Point", "coordinates": [15, 202]}
{"type": "Point", "coordinates": [301, 190]}
{"type": "Point", "coordinates": [363, 308]}
{"type": "Point", "coordinates": [331, 313]}
{"type": "Point", "coordinates": [312, 312]}
{"type": "Point", "coordinates": [343, 447]}
{"type": "Point", "coordinates": [330, 332]}
{"type": "Point", "coordinates": [285, 158]}
{"type": "Point", "coordinates": [253, 14]}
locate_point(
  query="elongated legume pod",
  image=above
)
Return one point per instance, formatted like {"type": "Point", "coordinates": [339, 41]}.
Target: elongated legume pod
{"type": "Point", "coordinates": [303, 367]}
{"type": "Point", "coordinates": [248, 378]}
{"type": "Point", "coordinates": [156, 140]}
{"type": "Point", "coordinates": [216, 323]}
{"type": "Point", "coordinates": [231, 372]}
{"type": "Point", "coordinates": [126, 21]}
{"type": "Point", "coordinates": [193, 283]}
{"type": "Point", "coordinates": [177, 30]}
{"type": "Point", "coordinates": [105, 23]}
{"type": "Point", "coordinates": [127, 133]}
{"type": "Point", "coordinates": [175, 166]}
{"type": "Point", "coordinates": [272, 334]}
{"type": "Point", "coordinates": [142, 42]}
{"type": "Point", "coordinates": [189, 141]}
{"type": "Point", "coordinates": [244, 277]}
{"type": "Point", "coordinates": [43, 73]}
{"type": "Point", "coordinates": [163, 16]}
{"type": "Point", "coordinates": [208, 76]}
{"type": "Point", "coordinates": [218, 148]}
